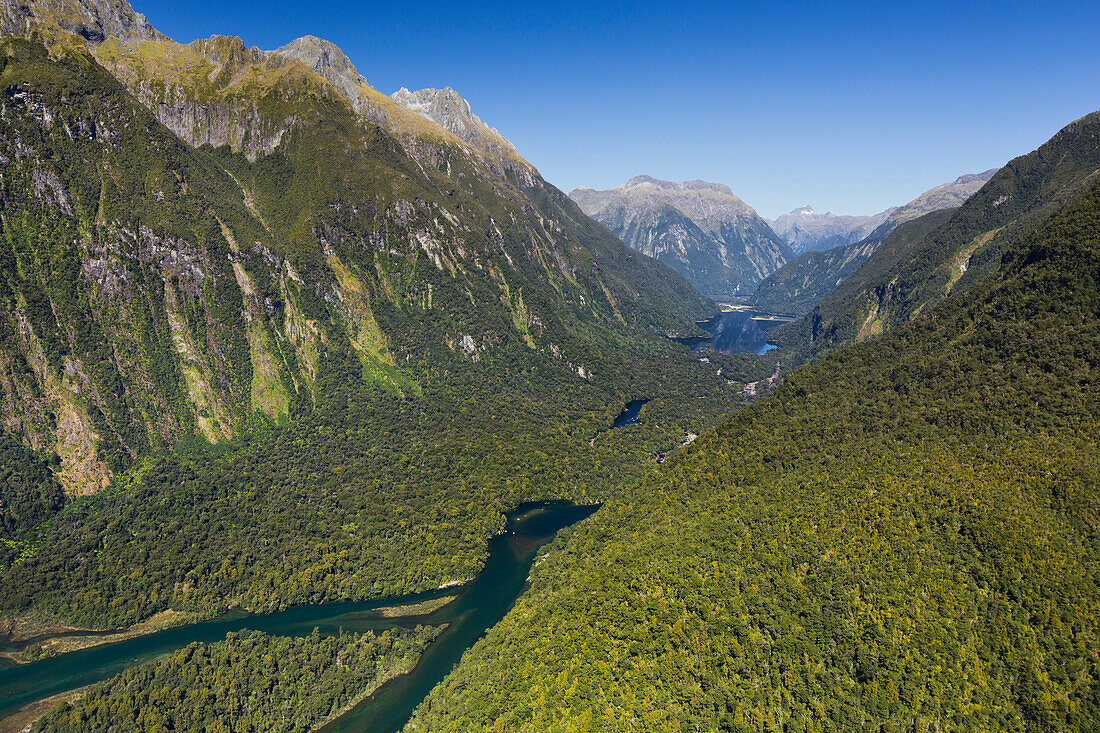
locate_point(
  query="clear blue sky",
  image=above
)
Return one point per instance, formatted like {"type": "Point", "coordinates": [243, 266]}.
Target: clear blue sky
{"type": "Point", "coordinates": [850, 108]}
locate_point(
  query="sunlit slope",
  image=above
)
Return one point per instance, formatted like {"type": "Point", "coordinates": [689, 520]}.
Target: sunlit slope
{"type": "Point", "coordinates": [897, 283]}
{"type": "Point", "coordinates": [903, 537]}
{"type": "Point", "coordinates": [211, 282]}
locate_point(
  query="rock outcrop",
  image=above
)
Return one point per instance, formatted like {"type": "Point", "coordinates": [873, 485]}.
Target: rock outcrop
{"type": "Point", "coordinates": [701, 229]}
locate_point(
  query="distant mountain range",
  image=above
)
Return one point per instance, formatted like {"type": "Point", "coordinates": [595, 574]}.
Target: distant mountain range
{"type": "Point", "coordinates": [727, 250]}
{"type": "Point", "coordinates": [802, 282]}
{"type": "Point", "coordinates": [806, 230]}
{"type": "Point", "coordinates": [700, 229]}
{"type": "Point", "coordinates": [910, 271]}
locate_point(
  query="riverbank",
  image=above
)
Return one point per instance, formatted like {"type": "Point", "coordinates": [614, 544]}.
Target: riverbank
{"type": "Point", "coordinates": [465, 612]}
{"type": "Point", "coordinates": [416, 609]}
{"type": "Point", "coordinates": [24, 718]}
{"type": "Point", "coordinates": [39, 637]}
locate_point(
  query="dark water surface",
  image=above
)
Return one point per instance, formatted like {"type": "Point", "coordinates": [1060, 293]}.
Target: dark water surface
{"type": "Point", "coordinates": [481, 604]}
{"type": "Point", "coordinates": [733, 332]}
{"type": "Point", "coordinates": [629, 415]}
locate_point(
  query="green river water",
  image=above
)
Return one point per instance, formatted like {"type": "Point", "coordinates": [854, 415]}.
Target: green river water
{"type": "Point", "coordinates": [479, 605]}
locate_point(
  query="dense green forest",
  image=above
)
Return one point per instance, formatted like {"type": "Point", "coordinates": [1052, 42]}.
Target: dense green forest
{"type": "Point", "coordinates": [253, 377]}
{"type": "Point", "coordinates": [903, 537]}
{"type": "Point", "coordinates": [324, 414]}
{"type": "Point", "coordinates": [250, 682]}
{"type": "Point", "coordinates": [909, 274]}
{"type": "Point", "coordinates": [372, 495]}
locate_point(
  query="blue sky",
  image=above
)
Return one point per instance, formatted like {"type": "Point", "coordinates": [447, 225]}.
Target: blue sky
{"type": "Point", "coordinates": [849, 107]}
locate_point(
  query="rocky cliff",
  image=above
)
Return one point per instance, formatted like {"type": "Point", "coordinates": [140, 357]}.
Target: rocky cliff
{"type": "Point", "coordinates": [701, 229]}
{"type": "Point", "coordinates": [198, 235]}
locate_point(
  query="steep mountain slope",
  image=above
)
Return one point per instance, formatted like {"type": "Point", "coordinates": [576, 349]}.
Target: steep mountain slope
{"type": "Point", "coordinates": [212, 284]}
{"type": "Point", "coordinates": [312, 353]}
{"type": "Point", "coordinates": [701, 229]}
{"type": "Point", "coordinates": [806, 230]}
{"type": "Point", "coordinates": [799, 285]}
{"type": "Point", "coordinates": [899, 282]}
{"type": "Point", "coordinates": [903, 537]}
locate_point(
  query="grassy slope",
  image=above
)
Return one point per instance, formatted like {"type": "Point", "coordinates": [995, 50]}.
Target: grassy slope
{"type": "Point", "coordinates": [903, 537]}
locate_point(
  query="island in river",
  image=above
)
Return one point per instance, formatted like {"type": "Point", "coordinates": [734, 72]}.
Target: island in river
{"type": "Point", "coordinates": [479, 605]}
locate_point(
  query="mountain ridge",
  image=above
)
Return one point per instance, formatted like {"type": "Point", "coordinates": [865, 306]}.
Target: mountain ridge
{"type": "Point", "coordinates": [806, 230]}
{"type": "Point", "coordinates": [897, 283]}
{"type": "Point", "coordinates": [312, 254]}
{"type": "Point", "coordinates": [699, 228]}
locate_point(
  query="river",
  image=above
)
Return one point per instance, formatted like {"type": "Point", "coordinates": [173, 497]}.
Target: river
{"type": "Point", "coordinates": [479, 605]}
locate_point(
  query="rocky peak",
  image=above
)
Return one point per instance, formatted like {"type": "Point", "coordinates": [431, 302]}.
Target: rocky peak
{"type": "Point", "coordinates": [331, 63]}
{"type": "Point", "coordinates": [982, 177]}
{"type": "Point", "coordinates": [699, 228]}
{"type": "Point", "coordinates": [672, 186]}
{"type": "Point", "coordinates": [448, 109]}
{"type": "Point", "coordinates": [93, 20]}
{"type": "Point", "coordinates": [707, 203]}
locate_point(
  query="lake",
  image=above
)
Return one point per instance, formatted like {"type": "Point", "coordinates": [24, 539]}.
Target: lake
{"type": "Point", "coordinates": [479, 605]}
{"type": "Point", "coordinates": [733, 332]}
{"type": "Point", "coordinates": [629, 415]}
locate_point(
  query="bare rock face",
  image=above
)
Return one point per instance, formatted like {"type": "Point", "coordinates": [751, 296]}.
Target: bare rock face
{"type": "Point", "coordinates": [805, 229]}
{"type": "Point", "coordinates": [331, 63]}
{"type": "Point", "coordinates": [449, 110]}
{"type": "Point", "coordinates": [701, 229]}
{"type": "Point", "coordinates": [93, 20]}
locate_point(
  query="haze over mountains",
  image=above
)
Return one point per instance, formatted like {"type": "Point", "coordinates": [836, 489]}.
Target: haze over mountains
{"type": "Point", "coordinates": [700, 229]}
{"type": "Point", "coordinates": [806, 230]}
{"type": "Point", "coordinates": [271, 339]}
{"type": "Point", "coordinates": [726, 250]}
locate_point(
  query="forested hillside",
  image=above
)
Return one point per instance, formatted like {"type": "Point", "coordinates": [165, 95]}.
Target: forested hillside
{"type": "Point", "coordinates": [801, 283]}
{"type": "Point", "coordinates": [902, 281]}
{"type": "Point", "coordinates": [903, 537]}
{"type": "Point", "coordinates": [156, 291]}
{"type": "Point", "coordinates": [293, 375]}
{"type": "Point", "coordinates": [269, 337]}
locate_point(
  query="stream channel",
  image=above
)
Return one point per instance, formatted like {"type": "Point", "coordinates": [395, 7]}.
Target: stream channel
{"type": "Point", "coordinates": [479, 605]}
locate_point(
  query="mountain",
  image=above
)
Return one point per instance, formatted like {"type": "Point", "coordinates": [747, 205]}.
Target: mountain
{"type": "Point", "coordinates": [300, 245]}
{"type": "Point", "coordinates": [904, 279]}
{"type": "Point", "coordinates": [801, 283]}
{"type": "Point", "coordinates": [312, 343]}
{"type": "Point", "coordinates": [903, 534]}
{"type": "Point", "coordinates": [451, 112]}
{"type": "Point", "coordinates": [806, 230]}
{"type": "Point", "coordinates": [700, 229]}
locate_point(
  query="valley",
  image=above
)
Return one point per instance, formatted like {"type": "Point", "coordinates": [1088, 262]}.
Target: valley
{"type": "Point", "coordinates": [458, 623]}
{"type": "Point", "coordinates": [322, 409]}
